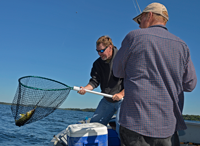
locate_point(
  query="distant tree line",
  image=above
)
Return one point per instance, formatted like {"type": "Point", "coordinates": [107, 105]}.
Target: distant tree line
{"type": "Point", "coordinates": [5, 103]}
{"type": "Point", "coordinates": [191, 117]}
{"type": "Point", "coordinates": [78, 109]}
{"type": "Point", "coordinates": [185, 117]}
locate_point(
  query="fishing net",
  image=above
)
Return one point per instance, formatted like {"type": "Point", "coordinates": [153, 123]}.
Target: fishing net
{"type": "Point", "coordinates": [37, 97]}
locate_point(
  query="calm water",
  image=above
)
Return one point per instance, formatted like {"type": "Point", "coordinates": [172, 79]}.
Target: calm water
{"type": "Point", "coordinates": [38, 133]}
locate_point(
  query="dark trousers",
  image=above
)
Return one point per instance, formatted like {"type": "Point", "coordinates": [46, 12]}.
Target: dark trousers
{"type": "Point", "coordinates": [175, 139]}
{"type": "Point", "coordinates": [131, 138]}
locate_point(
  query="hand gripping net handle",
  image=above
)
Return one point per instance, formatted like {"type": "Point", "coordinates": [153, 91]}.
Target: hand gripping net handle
{"type": "Point", "coordinates": [94, 92]}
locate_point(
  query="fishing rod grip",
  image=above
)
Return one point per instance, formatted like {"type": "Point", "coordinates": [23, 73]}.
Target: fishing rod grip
{"type": "Point", "coordinates": [94, 92]}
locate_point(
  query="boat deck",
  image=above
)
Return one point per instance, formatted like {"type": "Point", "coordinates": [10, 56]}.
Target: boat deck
{"type": "Point", "coordinates": [188, 137]}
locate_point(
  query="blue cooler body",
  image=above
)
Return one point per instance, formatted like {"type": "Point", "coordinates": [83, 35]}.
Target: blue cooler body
{"type": "Point", "coordinates": [89, 134]}
{"type": "Point", "coordinates": [113, 139]}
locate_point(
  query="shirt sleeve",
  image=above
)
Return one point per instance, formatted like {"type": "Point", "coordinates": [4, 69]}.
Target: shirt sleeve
{"type": "Point", "coordinates": [95, 77]}
{"type": "Point", "coordinates": [189, 77]}
{"type": "Point", "coordinates": [121, 57]}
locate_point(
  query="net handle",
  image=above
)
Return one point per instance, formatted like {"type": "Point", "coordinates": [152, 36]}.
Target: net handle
{"type": "Point", "coordinates": [94, 92]}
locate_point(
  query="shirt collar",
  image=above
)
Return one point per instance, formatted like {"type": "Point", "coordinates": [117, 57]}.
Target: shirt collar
{"type": "Point", "coordinates": [162, 26]}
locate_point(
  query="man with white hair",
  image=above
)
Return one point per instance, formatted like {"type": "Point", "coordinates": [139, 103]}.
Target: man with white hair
{"type": "Point", "coordinates": [157, 70]}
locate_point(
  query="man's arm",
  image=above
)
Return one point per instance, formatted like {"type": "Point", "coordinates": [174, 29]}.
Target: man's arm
{"type": "Point", "coordinates": [121, 57]}
{"type": "Point", "coordinates": [94, 80]}
{"type": "Point", "coordinates": [189, 77]}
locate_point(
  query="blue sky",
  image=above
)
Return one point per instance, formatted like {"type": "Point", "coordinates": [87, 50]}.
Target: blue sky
{"type": "Point", "coordinates": [56, 39]}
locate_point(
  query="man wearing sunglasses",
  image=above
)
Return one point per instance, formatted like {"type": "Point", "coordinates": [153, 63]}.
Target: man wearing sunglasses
{"type": "Point", "coordinates": [102, 74]}
{"type": "Point", "coordinates": [157, 70]}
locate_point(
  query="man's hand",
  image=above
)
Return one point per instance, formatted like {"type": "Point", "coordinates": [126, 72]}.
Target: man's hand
{"type": "Point", "coordinates": [82, 91]}
{"type": "Point", "coordinates": [118, 96]}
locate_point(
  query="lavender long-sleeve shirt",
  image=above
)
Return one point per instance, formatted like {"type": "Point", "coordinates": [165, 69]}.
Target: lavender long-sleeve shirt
{"type": "Point", "coordinates": [157, 69]}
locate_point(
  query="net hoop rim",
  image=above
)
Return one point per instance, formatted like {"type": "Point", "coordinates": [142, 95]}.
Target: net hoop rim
{"type": "Point", "coordinates": [19, 80]}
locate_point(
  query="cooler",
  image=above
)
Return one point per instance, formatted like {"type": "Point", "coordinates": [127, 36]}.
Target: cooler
{"type": "Point", "coordinates": [89, 134]}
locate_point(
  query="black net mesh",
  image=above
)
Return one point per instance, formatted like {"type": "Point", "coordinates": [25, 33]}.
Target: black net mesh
{"type": "Point", "coordinates": [36, 98]}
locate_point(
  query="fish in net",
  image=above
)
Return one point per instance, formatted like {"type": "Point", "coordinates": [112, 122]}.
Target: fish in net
{"type": "Point", "coordinates": [37, 97]}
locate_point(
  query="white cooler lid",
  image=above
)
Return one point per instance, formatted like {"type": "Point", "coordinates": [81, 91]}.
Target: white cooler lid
{"type": "Point", "coordinates": [87, 129]}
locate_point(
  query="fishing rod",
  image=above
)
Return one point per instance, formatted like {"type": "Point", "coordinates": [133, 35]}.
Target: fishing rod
{"type": "Point", "coordinates": [137, 6]}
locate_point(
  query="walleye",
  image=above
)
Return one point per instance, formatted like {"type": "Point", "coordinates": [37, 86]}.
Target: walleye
{"type": "Point", "coordinates": [24, 118]}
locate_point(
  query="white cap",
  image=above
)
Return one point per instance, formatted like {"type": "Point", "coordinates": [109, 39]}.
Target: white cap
{"type": "Point", "coordinates": [156, 8]}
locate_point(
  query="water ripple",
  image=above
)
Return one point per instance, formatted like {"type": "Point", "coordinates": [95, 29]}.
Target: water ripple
{"type": "Point", "coordinates": [38, 133]}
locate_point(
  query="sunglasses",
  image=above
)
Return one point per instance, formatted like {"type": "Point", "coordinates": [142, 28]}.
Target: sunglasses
{"type": "Point", "coordinates": [139, 20]}
{"type": "Point", "coordinates": [101, 51]}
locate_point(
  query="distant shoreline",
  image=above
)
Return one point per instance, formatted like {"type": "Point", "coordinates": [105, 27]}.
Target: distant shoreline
{"type": "Point", "coordinates": [73, 109]}
{"type": "Point", "coordinates": [5, 103]}
{"type": "Point", "coordinates": [185, 117]}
